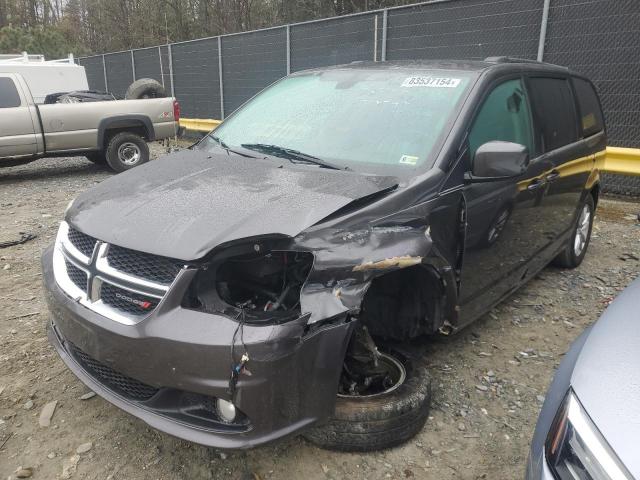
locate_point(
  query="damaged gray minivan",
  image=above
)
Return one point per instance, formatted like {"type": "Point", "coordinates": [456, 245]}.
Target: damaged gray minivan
{"type": "Point", "coordinates": [274, 277]}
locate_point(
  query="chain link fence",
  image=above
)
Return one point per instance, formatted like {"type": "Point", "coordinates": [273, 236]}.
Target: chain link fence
{"type": "Point", "coordinates": [212, 77]}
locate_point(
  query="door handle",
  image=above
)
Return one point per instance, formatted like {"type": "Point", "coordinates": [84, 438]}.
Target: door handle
{"type": "Point", "coordinates": [536, 184]}
{"type": "Point", "coordinates": [554, 175]}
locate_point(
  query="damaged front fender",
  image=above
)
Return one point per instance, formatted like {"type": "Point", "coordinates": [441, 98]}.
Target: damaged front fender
{"type": "Point", "coordinates": [347, 261]}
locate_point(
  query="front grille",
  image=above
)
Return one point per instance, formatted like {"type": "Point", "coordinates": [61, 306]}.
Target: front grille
{"type": "Point", "coordinates": [77, 276]}
{"type": "Point", "coordinates": [84, 243]}
{"type": "Point", "coordinates": [143, 265]}
{"type": "Point", "coordinates": [121, 284]}
{"type": "Point", "coordinates": [126, 300]}
{"type": "Point", "coordinates": [126, 386]}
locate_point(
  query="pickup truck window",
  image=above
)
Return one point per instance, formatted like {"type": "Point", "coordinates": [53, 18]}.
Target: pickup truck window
{"type": "Point", "coordinates": [9, 97]}
{"type": "Point", "coordinates": [367, 120]}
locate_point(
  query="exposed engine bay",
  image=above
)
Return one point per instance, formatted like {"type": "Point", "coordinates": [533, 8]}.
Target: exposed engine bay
{"type": "Point", "coordinates": [263, 286]}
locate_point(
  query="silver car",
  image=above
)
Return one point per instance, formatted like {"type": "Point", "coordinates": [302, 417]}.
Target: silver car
{"type": "Point", "coordinates": [590, 421]}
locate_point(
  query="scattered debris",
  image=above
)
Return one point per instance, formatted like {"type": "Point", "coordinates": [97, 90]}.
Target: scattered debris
{"type": "Point", "coordinates": [47, 413]}
{"type": "Point", "coordinates": [24, 472]}
{"type": "Point", "coordinates": [28, 405]}
{"type": "Point", "coordinates": [69, 466]}
{"type": "Point", "coordinates": [6, 439]}
{"type": "Point", "coordinates": [84, 448]}
{"type": "Point", "coordinates": [24, 315]}
{"type": "Point", "coordinates": [24, 238]}
{"type": "Point", "coordinates": [87, 396]}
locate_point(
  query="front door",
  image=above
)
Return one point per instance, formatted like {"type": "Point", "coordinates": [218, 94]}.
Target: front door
{"type": "Point", "coordinates": [505, 227]}
{"type": "Point", "coordinates": [17, 132]}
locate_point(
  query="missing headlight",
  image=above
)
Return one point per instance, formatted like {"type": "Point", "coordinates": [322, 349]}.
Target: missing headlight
{"type": "Point", "coordinates": [266, 285]}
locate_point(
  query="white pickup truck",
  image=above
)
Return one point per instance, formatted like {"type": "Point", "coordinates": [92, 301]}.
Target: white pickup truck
{"type": "Point", "coordinates": [111, 132]}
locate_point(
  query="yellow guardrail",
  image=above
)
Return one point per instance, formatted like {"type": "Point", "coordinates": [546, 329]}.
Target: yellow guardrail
{"type": "Point", "coordinates": [199, 124]}
{"type": "Point", "coordinates": [624, 161]}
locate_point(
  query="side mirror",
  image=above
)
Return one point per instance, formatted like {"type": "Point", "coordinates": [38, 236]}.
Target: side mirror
{"type": "Point", "coordinates": [498, 160]}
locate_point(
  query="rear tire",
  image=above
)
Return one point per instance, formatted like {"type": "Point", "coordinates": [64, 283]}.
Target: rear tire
{"type": "Point", "coordinates": [145, 88]}
{"type": "Point", "coordinates": [576, 249]}
{"type": "Point", "coordinates": [362, 424]}
{"type": "Point", "coordinates": [126, 150]}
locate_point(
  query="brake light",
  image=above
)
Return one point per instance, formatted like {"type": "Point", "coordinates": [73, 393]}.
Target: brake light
{"type": "Point", "coordinates": [176, 111]}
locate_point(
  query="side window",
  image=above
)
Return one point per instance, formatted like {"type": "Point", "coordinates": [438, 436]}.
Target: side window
{"type": "Point", "coordinates": [554, 106]}
{"type": "Point", "coordinates": [505, 116]}
{"type": "Point", "coordinates": [9, 97]}
{"type": "Point", "coordinates": [591, 118]}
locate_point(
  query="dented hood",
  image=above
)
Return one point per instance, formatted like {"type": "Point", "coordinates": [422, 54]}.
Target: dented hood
{"type": "Point", "coordinates": [186, 203]}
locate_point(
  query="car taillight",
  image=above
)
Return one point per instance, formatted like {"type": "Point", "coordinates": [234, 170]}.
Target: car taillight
{"type": "Point", "coordinates": [176, 111]}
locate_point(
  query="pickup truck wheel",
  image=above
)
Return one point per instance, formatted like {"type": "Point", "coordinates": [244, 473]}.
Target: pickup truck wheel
{"type": "Point", "coordinates": [96, 157]}
{"type": "Point", "coordinates": [379, 420]}
{"type": "Point", "coordinates": [576, 249]}
{"type": "Point", "coordinates": [126, 150]}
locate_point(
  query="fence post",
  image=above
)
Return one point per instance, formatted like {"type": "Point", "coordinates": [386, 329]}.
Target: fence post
{"type": "Point", "coordinates": [161, 67]}
{"type": "Point", "coordinates": [385, 16]}
{"type": "Point", "coordinates": [220, 78]}
{"type": "Point", "coordinates": [133, 66]}
{"type": "Point", "coordinates": [288, 49]}
{"type": "Point", "coordinates": [104, 72]}
{"type": "Point", "coordinates": [375, 38]}
{"type": "Point", "coordinates": [543, 29]}
{"type": "Point", "coordinates": [173, 90]}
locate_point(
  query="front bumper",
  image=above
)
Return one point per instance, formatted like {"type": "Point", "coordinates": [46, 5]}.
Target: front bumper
{"type": "Point", "coordinates": [294, 377]}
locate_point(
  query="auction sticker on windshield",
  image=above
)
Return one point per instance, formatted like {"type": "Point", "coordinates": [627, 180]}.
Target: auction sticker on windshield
{"type": "Point", "coordinates": [433, 82]}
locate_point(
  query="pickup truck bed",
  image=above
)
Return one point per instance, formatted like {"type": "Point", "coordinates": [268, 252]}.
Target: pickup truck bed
{"type": "Point", "coordinates": [112, 132]}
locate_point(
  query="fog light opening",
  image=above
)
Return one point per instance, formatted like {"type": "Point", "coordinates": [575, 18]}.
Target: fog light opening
{"type": "Point", "coordinates": [226, 410]}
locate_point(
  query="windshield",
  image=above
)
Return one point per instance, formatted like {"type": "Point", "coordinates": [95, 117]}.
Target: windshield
{"type": "Point", "coordinates": [378, 121]}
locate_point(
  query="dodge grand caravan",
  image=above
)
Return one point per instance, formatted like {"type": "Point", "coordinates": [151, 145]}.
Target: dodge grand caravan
{"type": "Point", "coordinates": [267, 280]}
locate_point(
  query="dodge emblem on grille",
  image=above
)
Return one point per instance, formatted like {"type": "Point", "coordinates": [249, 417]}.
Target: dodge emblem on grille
{"type": "Point", "coordinates": [135, 301]}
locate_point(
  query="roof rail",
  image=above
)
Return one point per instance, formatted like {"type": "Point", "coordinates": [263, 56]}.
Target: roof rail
{"type": "Point", "coordinates": [504, 59]}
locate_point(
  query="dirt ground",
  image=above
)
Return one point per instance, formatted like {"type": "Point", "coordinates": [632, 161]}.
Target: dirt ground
{"type": "Point", "coordinates": [489, 379]}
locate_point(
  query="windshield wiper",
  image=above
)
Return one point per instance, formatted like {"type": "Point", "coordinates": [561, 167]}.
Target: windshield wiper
{"type": "Point", "coordinates": [290, 154]}
{"type": "Point", "coordinates": [227, 147]}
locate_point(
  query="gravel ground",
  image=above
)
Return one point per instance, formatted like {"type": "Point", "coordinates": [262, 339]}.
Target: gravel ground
{"type": "Point", "coordinates": [489, 379]}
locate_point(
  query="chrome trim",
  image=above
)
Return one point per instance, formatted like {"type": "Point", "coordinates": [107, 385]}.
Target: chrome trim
{"type": "Point", "coordinates": [99, 271]}
{"type": "Point", "coordinates": [63, 236]}
{"type": "Point", "coordinates": [103, 266]}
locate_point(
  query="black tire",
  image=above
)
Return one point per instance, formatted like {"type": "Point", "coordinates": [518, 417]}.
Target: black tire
{"type": "Point", "coordinates": [569, 258]}
{"type": "Point", "coordinates": [97, 157]}
{"type": "Point", "coordinates": [119, 151]}
{"type": "Point", "coordinates": [145, 88]}
{"type": "Point", "coordinates": [363, 424]}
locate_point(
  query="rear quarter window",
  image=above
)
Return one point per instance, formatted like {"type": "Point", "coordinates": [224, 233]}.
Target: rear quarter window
{"type": "Point", "coordinates": [9, 97]}
{"type": "Point", "coordinates": [555, 111]}
{"type": "Point", "coordinates": [591, 118]}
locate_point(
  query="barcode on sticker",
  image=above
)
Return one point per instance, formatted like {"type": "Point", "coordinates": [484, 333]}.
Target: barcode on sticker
{"type": "Point", "coordinates": [433, 82]}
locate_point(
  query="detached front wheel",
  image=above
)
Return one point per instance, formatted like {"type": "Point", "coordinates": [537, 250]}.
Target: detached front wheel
{"type": "Point", "coordinates": [374, 420]}
{"type": "Point", "coordinates": [126, 150]}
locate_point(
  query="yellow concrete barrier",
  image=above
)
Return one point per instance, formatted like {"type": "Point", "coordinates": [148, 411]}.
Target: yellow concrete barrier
{"type": "Point", "coordinates": [624, 161]}
{"type": "Point", "coordinates": [199, 124]}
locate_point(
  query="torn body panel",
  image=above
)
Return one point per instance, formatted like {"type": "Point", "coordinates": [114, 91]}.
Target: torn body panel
{"type": "Point", "coordinates": [348, 260]}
